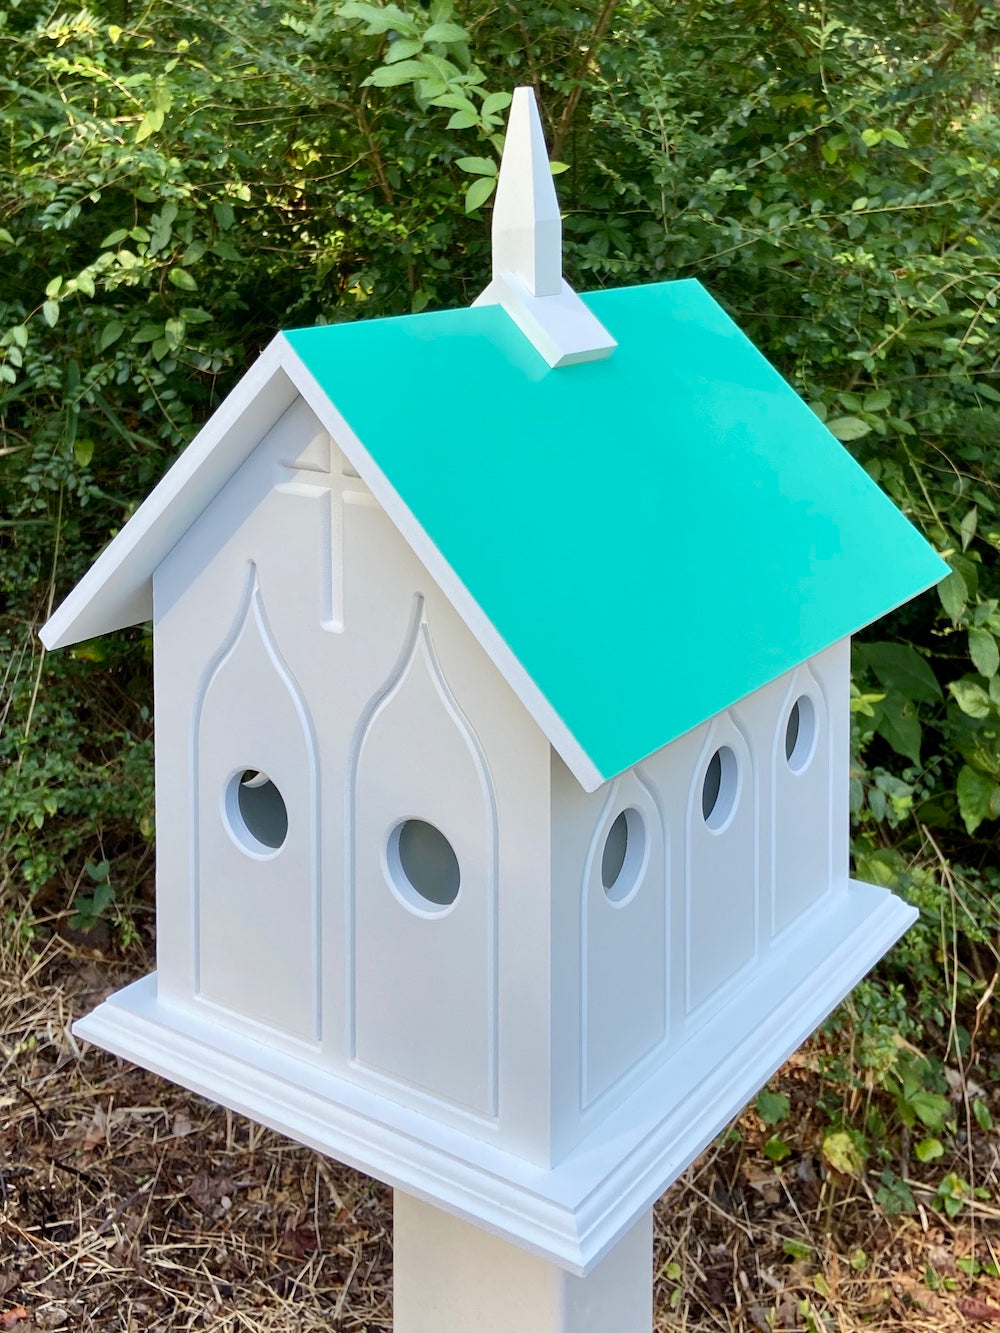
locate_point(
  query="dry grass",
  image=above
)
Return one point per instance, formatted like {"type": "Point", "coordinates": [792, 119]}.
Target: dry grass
{"type": "Point", "coordinates": [127, 1204]}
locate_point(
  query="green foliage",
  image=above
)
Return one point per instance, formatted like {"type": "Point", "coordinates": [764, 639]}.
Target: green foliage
{"type": "Point", "coordinates": [772, 1107]}
{"type": "Point", "coordinates": [178, 181]}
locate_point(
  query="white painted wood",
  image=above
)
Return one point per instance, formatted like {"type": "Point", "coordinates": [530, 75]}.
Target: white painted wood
{"type": "Point", "coordinates": [256, 902]}
{"type": "Point", "coordinates": [117, 589]}
{"type": "Point", "coordinates": [722, 864]}
{"type": "Point", "coordinates": [280, 513]}
{"type": "Point", "coordinates": [576, 1210]}
{"type": "Point", "coordinates": [623, 965]}
{"type": "Point", "coordinates": [200, 592]}
{"type": "Point", "coordinates": [801, 786]}
{"type": "Point", "coordinates": [527, 249]}
{"type": "Point", "coordinates": [425, 974]}
{"type": "Point", "coordinates": [526, 226]}
{"type": "Point", "coordinates": [560, 327]}
{"type": "Point", "coordinates": [538, 707]}
{"type": "Point", "coordinates": [832, 668]}
{"type": "Point", "coordinates": [384, 581]}
{"type": "Point", "coordinates": [450, 1276]}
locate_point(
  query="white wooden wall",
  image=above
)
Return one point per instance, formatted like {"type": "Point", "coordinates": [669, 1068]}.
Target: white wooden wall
{"type": "Point", "coordinates": [297, 634]}
{"type": "Point", "coordinates": [650, 969]}
{"type": "Point", "coordinates": [294, 598]}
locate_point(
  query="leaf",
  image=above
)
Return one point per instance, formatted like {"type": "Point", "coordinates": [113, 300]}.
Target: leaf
{"type": "Point", "coordinates": [83, 450]}
{"type": "Point", "coordinates": [402, 49]}
{"type": "Point", "coordinates": [445, 32]}
{"type": "Point", "coordinates": [772, 1106]}
{"type": "Point", "coordinates": [464, 120]}
{"type": "Point", "coordinates": [478, 192]}
{"type": "Point", "coordinates": [931, 1108]}
{"type": "Point", "coordinates": [12, 1317]}
{"type": "Point", "coordinates": [776, 1149]}
{"type": "Point", "coordinates": [967, 527]}
{"type": "Point", "coordinates": [982, 1113]}
{"type": "Point", "coordinates": [900, 667]}
{"type": "Point", "coordinates": [477, 166]}
{"type": "Point", "coordinates": [181, 278]}
{"type": "Point", "coordinates": [877, 401]}
{"type": "Point", "coordinates": [897, 722]}
{"type": "Point", "coordinates": [53, 287]}
{"type": "Point", "coordinates": [392, 76]}
{"type": "Point", "coordinates": [379, 19]}
{"type": "Point", "coordinates": [954, 595]}
{"type": "Point", "coordinates": [984, 652]}
{"type": "Point", "coordinates": [114, 238]}
{"type": "Point", "coordinates": [970, 697]}
{"type": "Point", "coordinates": [928, 1150]}
{"type": "Point", "coordinates": [895, 138]}
{"type": "Point", "coordinates": [978, 797]}
{"type": "Point", "coordinates": [557, 168]}
{"type": "Point", "coordinates": [842, 1154]}
{"type": "Point", "coordinates": [848, 428]}
{"type": "Point", "coordinates": [796, 1249]}
{"type": "Point", "coordinates": [111, 332]}
{"type": "Point", "coordinates": [496, 102]}
{"type": "Point", "coordinates": [871, 137]}
{"type": "Point", "coordinates": [50, 313]}
{"type": "Point", "coordinates": [150, 123]}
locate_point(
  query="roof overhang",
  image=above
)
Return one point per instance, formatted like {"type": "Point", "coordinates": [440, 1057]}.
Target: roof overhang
{"type": "Point", "coordinates": [117, 591]}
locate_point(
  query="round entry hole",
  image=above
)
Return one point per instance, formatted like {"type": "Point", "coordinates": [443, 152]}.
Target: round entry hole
{"type": "Point", "coordinates": [423, 865]}
{"type": "Point", "coordinates": [718, 792]}
{"type": "Point", "coordinates": [800, 733]}
{"type": "Point", "coordinates": [256, 811]}
{"type": "Point", "coordinates": [624, 850]}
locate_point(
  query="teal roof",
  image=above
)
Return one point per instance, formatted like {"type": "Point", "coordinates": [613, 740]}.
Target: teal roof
{"type": "Point", "coordinates": [654, 536]}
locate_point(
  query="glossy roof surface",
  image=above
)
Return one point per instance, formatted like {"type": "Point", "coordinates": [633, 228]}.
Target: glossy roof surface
{"type": "Point", "coordinates": [652, 536]}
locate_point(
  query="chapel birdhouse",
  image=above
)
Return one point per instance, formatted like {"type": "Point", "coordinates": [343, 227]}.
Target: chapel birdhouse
{"type": "Point", "coordinates": [502, 731]}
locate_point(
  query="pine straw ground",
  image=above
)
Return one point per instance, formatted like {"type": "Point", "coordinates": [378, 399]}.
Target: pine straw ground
{"type": "Point", "coordinates": [126, 1204]}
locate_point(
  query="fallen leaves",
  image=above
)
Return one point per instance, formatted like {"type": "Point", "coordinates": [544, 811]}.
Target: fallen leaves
{"type": "Point", "coordinates": [972, 1307]}
{"type": "Point", "coordinates": [10, 1318]}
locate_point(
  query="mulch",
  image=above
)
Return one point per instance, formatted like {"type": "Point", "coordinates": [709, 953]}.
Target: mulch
{"type": "Point", "coordinates": [128, 1204]}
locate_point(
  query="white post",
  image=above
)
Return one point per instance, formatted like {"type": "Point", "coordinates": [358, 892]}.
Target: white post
{"type": "Point", "coordinates": [450, 1276]}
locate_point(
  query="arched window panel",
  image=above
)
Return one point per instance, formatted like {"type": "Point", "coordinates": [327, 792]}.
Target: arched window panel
{"type": "Point", "coordinates": [256, 854]}
{"type": "Point", "coordinates": [801, 790]}
{"type": "Point", "coordinates": [423, 890]}
{"type": "Point", "coordinates": [624, 916]}
{"type": "Point", "coordinates": [721, 862]}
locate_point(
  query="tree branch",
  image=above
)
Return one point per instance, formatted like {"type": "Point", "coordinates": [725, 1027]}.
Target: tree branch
{"type": "Point", "coordinates": [573, 101]}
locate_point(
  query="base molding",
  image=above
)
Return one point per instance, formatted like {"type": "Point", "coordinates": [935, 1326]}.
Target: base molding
{"type": "Point", "coordinates": [576, 1212]}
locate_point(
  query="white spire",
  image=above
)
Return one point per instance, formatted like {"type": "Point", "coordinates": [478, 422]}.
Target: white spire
{"type": "Point", "coordinates": [527, 229]}
{"type": "Point", "coordinates": [527, 249]}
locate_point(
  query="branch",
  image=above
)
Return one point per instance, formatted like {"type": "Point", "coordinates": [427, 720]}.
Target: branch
{"type": "Point", "coordinates": [573, 101]}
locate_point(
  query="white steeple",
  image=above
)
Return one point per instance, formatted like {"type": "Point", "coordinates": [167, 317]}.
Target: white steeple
{"type": "Point", "coordinates": [527, 249]}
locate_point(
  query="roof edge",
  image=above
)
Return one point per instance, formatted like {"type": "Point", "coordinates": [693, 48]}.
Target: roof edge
{"type": "Point", "coordinates": [544, 715]}
{"type": "Point", "coordinates": [117, 589]}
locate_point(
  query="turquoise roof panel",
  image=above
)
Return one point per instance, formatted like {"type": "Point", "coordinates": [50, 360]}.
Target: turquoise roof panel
{"type": "Point", "coordinates": [654, 536]}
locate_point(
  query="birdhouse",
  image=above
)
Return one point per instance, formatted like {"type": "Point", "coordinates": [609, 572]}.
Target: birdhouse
{"type": "Point", "coordinates": [502, 731]}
